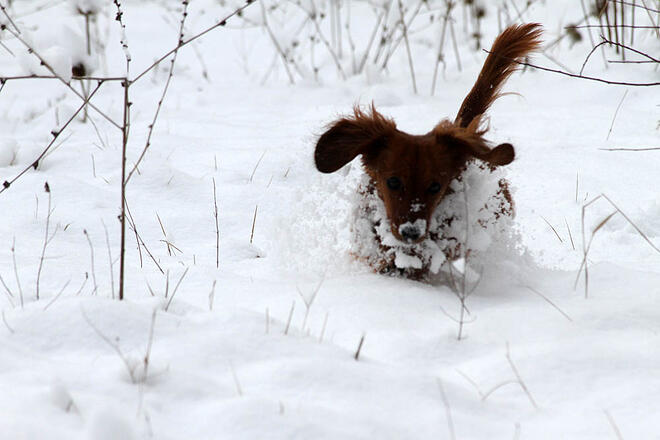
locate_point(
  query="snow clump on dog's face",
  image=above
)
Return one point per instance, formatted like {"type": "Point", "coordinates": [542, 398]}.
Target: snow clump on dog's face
{"type": "Point", "coordinates": [474, 215]}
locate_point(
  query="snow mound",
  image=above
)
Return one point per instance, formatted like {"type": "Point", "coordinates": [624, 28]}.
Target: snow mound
{"type": "Point", "coordinates": [331, 223]}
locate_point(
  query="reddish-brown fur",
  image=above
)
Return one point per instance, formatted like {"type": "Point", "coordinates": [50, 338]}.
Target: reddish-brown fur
{"type": "Point", "coordinates": [412, 173]}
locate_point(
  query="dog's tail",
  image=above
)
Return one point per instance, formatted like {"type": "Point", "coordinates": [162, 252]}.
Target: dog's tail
{"type": "Point", "coordinates": [510, 46]}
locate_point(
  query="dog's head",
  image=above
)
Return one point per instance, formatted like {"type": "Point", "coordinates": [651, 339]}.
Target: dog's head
{"type": "Point", "coordinates": [412, 173]}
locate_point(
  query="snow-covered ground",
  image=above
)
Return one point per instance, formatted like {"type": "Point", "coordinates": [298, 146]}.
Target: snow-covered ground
{"type": "Point", "coordinates": [263, 346]}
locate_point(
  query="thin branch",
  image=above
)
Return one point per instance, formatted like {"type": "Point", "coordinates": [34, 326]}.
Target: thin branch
{"type": "Point", "coordinates": [520, 381]}
{"type": "Point", "coordinates": [217, 227]}
{"type": "Point", "coordinates": [4, 319]}
{"type": "Point", "coordinates": [553, 229]}
{"type": "Point", "coordinates": [139, 237]}
{"type": "Point", "coordinates": [445, 401]}
{"type": "Point", "coordinates": [254, 221]}
{"type": "Point", "coordinates": [572, 75]}
{"type": "Point", "coordinates": [405, 39]}
{"type": "Point", "coordinates": [359, 347]}
{"type": "Point", "coordinates": [165, 89]}
{"type": "Point", "coordinates": [57, 296]}
{"type": "Point", "coordinates": [82, 78]}
{"type": "Point", "coordinates": [47, 238]}
{"type": "Point", "coordinates": [546, 299]}
{"type": "Point", "coordinates": [7, 183]}
{"type": "Point", "coordinates": [613, 424]}
{"type": "Point", "coordinates": [630, 149]}
{"type": "Point", "coordinates": [167, 306]}
{"type": "Point", "coordinates": [123, 41]}
{"type": "Point", "coordinates": [112, 345]}
{"type": "Point", "coordinates": [107, 242]}
{"type": "Point", "coordinates": [606, 41]}
{"type": "Point", "coordinates": [615, 114]}
{"type": "Point", "coordinates": [62, 80]}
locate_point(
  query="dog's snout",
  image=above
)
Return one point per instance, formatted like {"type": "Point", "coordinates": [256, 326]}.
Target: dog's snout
{"type": "Point", "coordinates": [410, 233]}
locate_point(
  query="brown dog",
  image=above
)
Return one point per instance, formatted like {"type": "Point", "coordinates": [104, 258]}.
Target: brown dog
{"type": "Point", "coordinates": [411, 174]}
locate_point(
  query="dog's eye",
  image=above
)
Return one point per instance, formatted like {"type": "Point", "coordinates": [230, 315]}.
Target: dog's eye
{"type": "Point", "coordinates": [394, 183]}
{"type": "Point", "coordinates": [435, 188]}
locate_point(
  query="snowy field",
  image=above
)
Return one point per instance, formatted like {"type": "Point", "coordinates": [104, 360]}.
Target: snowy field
{"type": "Point", "coordinates": [263, 345]}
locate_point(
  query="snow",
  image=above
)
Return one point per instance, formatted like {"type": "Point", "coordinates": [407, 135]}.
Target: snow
{"type": "Point", "coordinates": [263, 346]}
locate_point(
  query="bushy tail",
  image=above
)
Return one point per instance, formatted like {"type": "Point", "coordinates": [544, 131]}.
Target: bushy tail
{"type": "Point", "coordinates": [510, 46]}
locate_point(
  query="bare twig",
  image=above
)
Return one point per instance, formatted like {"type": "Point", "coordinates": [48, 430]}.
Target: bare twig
{"type": "Point", "coordinates": [570, 236]}
{"type": "Point", "coordinates": [613, 424]}
{"type": "Point", "coordinates": [553, 229]}
{"type": "Point", "coordinates": [112, 277]}
{"type": "Point", "coordinates": [4, 319]}
{"type": "Point", "coordinates": [546, 299]}
{"type": "Point", "coordinates": [519, 378]}
{"type": "Point", "coordinates": [167, 306]}
{"type": "Point", "coordinates": [405, 39]}
{"type": "Point", "coordinates": [445, 401]}
{"type": "Point", "coordinates": [142, 243]}
{"type": "Point", "coordinates": [123, 40]}
{"type": "Point", "coordinates": [35, 163]}
{"type": "Point", "coordinates": [288, 321]}
{"type": "Point", "coordinates": [165, 89]}
{"type": "Point", "coordinates": [254, 221]}
{"type": "Point", "coordinates": [590, 78]}
{"type": "Point", "coordinates": [57, 296]}
{"type": "Point", "coordinates": [62, 80]}
{"type": "Point", "coordinates": [150, 342]}
{"type": "Point", "coordinates": [325, 323]}
{"type": "Point", "coordinates": [217, 227]}
{"type": "Point", "coordinates": [47, 238]}
{"type": "Point", "coordinates": [239, 390]}
{"type": "Point", "coordinates": [113, 345]}
{"type": "Point", "coordinates": [359, 347]}
{"type": "Point", "coordinates": [18, 281]}
{"type": "Point", "coordinates": [212, 295]}
{"type": "Point", "coordinates": [309, 301]}
{"type": "Point", "coordinates": [10, 295]}
{"type": "Point", "coordinates": [631, 149]}
{"type": "Point", "coordinates": [615, 114]}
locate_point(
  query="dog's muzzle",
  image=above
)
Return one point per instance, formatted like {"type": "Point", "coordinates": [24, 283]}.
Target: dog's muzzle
{"type": "Point", "coordinates": [413, 231]}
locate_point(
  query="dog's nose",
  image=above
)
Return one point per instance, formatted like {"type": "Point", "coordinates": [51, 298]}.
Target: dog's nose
{"type": "Point", "coordinates": [410, 233]}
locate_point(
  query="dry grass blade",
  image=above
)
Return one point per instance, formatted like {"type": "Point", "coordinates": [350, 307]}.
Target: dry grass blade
{"type": "Point", "coordinates": [112, 345]}
{"type": "Point", "coordinates": [254, 221]}
{"type": "Point", "coordinates": [570, 236]}
{"type": "Point", "coordinates": [613, 424]}
{"type": "Point", "coordinates": [359, 347]}
{"type": "Point", "coordinates": [615, 114]}
{"type": "Point", "coordinates": [35, 163]}
{"type": "Point", "coordinates": [553, 229]}
{"type": "Point", "coordinates": [639, 231]}
{"type": "Point", "coordinates": [631, 149]}
{"type": "Point", "coordinates": [167, 306]}
{"type": "Point", "coordinates": [57, 296]}
{"type": "Point", "coordinates": [256, 166]}
{"type": "Point", "coordinates": [546, 299]}
{"type": "Point", "coordinates": [4, 319]}
{"type": "Point", "coordinates": [288, 321]}
{"type": "Point", "coordinates": [445, 401]}
{"type": "Point", "coordinates": [163, 94]}
{"type": "Point", "coordinates": [217, 226]}
{"type": "Point", "coordinates": [520, 381]}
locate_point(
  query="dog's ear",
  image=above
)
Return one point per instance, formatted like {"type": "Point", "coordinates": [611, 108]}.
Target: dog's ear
{"type": "Point", "coordinates": [363, 133]}
{"type": "Point", "coordinates": [503, 154]}
{"type": "Point", "coordinates": [473, 145]}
